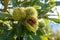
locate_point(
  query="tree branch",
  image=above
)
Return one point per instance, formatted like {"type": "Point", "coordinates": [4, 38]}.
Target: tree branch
{"type": "Point", "coordinates": [5, 4]}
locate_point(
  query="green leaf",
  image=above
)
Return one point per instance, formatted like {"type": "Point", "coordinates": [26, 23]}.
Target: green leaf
{"type": "Point", "coordinates": [57, 13]}
{"type": "Point", "coordinates": [45, 8]}
{"type": "Point", "coordinates": [55, 20]}
{"type": "Point", "coordinates": [46, 22]}
{"type": "Point", "coordinates": [41, 25]}
{"type": "Point", "coordinates": [57, 3]}
{"type": "Point", "coordinates": [4, 16]}
{"type": "Point", "coordinates": [13, 3]}
{"type": "Point", "coordinates": [51, 0]}
{"type": "Point", "coordinates": [31, 36]}
{"type": "Point", "coordinates": [28, 37]}
{"type": "Point", "coordinates": [3, 28]}
{"type": "Point", "coordinates": [43, 37]}
{"type": "Point", "coordinates": [7, 35]}
{"type": "Point", "coordinates": [36, 37]}
{"type": "Point", "coordinates": [19, 29]}
{"type": "Point", "coordinates": [46, 0]}
{"type": "Point", "coordinates": [51, 11]}
{"type": "Point", "coordinates": [39, 32]}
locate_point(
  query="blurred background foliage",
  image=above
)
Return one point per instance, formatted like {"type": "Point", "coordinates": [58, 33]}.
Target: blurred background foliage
{"type": "Point", "coordinates": [12, 30]}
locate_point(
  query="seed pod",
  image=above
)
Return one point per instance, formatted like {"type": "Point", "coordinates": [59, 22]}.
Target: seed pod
{"type": "Point", "coordinates": [19, 13]}
{"type": "Point", "coordinates": [29, 14]}
{"type": "Point", "coordinates": [31, 19]}
{"type": "Point", "coordinates": [29, 27]}
{"type": "Point", "coordinates": [31, 11]}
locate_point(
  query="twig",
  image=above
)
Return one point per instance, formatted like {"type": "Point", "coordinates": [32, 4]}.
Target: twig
{"type": "Point", "coordinates": [5, 4]}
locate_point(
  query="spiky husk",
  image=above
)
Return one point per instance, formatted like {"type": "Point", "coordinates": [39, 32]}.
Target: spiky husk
{"type": "Point", "coordinates": [29, 15]}
{"type": "Point", "coordinates": [31, 18]}
{"type": "Point", "coordinates": [19, 13]}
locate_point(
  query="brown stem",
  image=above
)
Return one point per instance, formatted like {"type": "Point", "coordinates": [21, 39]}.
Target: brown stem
{"type": "Point", "coordinates": [5, 4]}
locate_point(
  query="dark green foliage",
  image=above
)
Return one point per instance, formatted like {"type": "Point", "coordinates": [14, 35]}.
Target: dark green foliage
{"type": "Point", "coordinates": [20, 31]}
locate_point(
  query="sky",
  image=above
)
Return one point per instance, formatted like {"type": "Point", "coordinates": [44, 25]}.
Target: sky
{"type": "Point", "coordinates": [55, 26]}
{"type": "Point", "coordinates": [57, 0]}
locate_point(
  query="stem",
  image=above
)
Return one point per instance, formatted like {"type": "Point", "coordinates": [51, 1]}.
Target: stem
{"type": "Point", "coordinates": [5, 4]}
